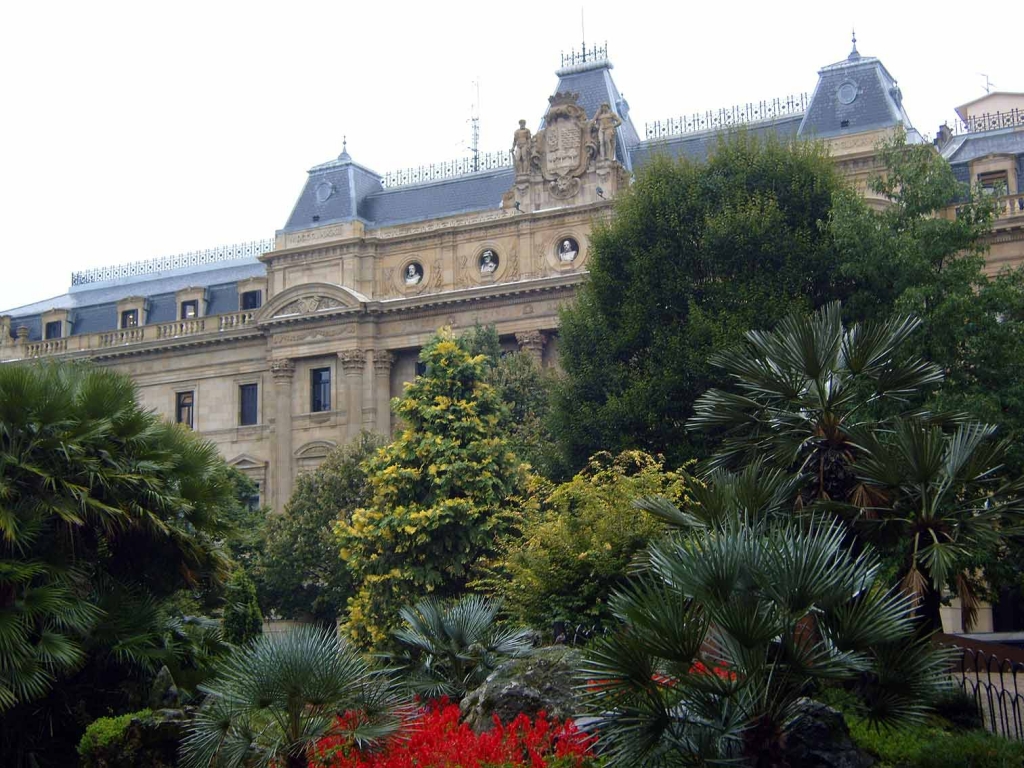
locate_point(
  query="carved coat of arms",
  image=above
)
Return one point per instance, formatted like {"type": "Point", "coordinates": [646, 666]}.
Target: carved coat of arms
{"type": "Point", "coordinates": [565, 146]}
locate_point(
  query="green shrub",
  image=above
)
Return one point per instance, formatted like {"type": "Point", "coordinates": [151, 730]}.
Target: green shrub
{"type": "Point", "coordinates": [242, 619]}
{"type": "Point", "coordinates": [893, 748]}
{"type": "Point", "coordinates": [576, 540]}
{"type": "Point", "coordinates": [932, 747]}
{"type": "Point", "coordinates": [103, 740]}
{"type": "Point", "coordinates": [959, 709]}
{"type": "Point", "coordinates": [971, 749]}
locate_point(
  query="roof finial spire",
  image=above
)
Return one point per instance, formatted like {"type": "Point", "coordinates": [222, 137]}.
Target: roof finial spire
{"type": "Point", "coordinates": [583, 33]}
{"type": "Point", "coordinates": [344, 149]}
{"type": "Point", "coordinates": [854, 54]}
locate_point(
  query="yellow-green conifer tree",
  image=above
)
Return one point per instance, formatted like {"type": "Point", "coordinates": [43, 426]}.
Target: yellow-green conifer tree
{"type": "Point", "coordinates": [442, 492]}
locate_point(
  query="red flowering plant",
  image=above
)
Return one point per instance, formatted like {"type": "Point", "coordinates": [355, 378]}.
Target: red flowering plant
{"type": "Point", "coordinates": [434, 738]}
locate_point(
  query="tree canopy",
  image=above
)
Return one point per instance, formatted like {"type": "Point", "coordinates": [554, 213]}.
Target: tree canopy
{"type": "Point", "coordinates": [696, 254]}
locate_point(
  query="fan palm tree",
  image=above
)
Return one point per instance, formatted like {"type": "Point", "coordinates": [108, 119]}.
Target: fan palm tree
{"type": "Point", "coordinates": [941, 505]}
{"type": "Point", "coordinates": [926, 488]}
{"type": "Point", "coordinates": [803, 387]}
{"type": "Point", "coordinates": [271, 701]}
{"type": "Point", "coordinates": [451, 646]}
{"type": "Point", "coordinates": [91, 485]}
{"type": "Point", "coordinates": [731, 625]}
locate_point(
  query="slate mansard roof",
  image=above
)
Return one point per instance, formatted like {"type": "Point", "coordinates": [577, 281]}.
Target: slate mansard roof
{"type": "Point", "coordinates": [854, 95]}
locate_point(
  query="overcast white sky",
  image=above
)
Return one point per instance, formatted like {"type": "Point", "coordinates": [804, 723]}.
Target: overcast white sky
{"type": "Point", "coordinates": [138, 129]}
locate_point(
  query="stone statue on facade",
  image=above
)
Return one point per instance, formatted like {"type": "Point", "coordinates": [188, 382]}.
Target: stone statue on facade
{"type": "Point", "coordinates": [605, 123]}
{"type": "Point", "coordinates": [522, 148]}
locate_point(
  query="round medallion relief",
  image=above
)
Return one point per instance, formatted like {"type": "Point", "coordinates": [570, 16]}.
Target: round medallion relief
{"type": "Point", "coordinates": [413, 273]}
{"type": "Point", "coordinates": [324, 190]}
{"type": "Point", "coordinates": [488, 262]}
{"type": "Point", "coordinates": [847, 93]}
{"type": "Point", "coordinates": [567, 249]}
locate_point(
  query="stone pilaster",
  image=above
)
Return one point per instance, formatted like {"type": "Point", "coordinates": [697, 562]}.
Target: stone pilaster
{"type": "Point", "coordinates": [353, 365]}
{"type": "Point", "coordinates": [382, 362]}
{"type": "Point", "coordinates": [283, 371]}
{"type": "Point", "coordinates": [532, 342]}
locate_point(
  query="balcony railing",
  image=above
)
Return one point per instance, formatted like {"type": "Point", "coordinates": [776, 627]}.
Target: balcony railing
{"type": "Point", "coordinates": [989, 121]}
{"type": "Point", "coordinates": [1007, 207]}
{"type": "Point", "coordinates": [198, 327]}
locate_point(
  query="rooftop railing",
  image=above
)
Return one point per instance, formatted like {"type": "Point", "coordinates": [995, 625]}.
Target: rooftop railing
{"type": "Point", "coordinates": [251, 249]}
{"type": "Point", "coordinates": [753, 112]}
{"type": "Point", "coordinates": [484, 161]}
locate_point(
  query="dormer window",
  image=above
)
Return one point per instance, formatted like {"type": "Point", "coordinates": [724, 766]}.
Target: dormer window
{"type": "Point", "coordinates": [190, 309]}
{"type": "Point", "coordinates": [130, 318]}
{"type": "Point", "coordinates": [251, 300]}
{"type": "Point", "coordinates": [996, 183]}
{"type": "Point", "coordinates": [53, 330]}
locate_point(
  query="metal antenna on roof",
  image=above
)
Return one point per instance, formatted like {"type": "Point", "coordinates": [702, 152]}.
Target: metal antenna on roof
{"type": "Point", "coordinates": [475, 123]}
{"type": "Point", "coordinates": [989, 85]}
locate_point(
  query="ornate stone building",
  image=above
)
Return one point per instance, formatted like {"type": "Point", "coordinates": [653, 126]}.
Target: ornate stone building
{"type": "Point", "coordinates": [279, 350]}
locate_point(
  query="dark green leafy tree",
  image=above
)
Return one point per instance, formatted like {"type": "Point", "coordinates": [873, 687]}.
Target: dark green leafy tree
{"type": "Point", "coordinates": [449, 647]}
{"type": "Point", "coordinates": [911, 257]}
{"type": "Point", "coordinates": [272, 700]}
{"type": "Point", "coordinates": [732, 625]}
{"type": "Point", "coordinates": [696, 254]}
{"type": "Point", "coordinates": [299, 574]}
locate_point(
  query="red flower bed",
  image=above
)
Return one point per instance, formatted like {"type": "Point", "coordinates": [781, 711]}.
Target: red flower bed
{"type": "Point", "coordinates": [436, 739]}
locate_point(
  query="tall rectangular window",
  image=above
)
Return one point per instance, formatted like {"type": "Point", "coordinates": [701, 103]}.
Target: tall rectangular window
{"type": "Point", "coordinates": [252, 299]}
{"type": "Point", "coordinates": [189, 309]}
{"type": "Point", "coordinates": [53, 329]}
{"type": "Point", "coordinates": [248, 404]}
{"type": "Point", "coordinates": [185, 408]}
{"type": "Point", "coordinates": [130, 318]}
{"type": "Point", "coordinates": [320, 390]}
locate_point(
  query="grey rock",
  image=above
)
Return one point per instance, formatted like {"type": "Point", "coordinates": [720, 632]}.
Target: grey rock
{"type": "Point", "coordinates": [163, 694]}
{"type": "Point", "coordinates": [820, 738]}
{"type": "Point", "coordinates": [543, 681]}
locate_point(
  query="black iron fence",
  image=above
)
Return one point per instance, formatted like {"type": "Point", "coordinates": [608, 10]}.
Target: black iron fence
{"type": "Point", "coordinates": [993, 675]}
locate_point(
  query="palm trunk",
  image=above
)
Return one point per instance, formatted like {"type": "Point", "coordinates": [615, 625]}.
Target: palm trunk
{"type": "Point", "coordinates": [931, 617]}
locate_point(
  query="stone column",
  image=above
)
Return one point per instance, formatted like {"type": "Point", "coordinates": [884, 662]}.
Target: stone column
{"type": "Point", "coordinates": [532, 342]}
{"type": "Point", "coordinates": [382, 390]}
{"type": "Point", "coordinates": [353, 363]}
{"type": "Point", "coordinates": [281, 490]}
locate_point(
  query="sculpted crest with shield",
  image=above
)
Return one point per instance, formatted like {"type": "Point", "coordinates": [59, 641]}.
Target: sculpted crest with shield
{"type": "Point", "coordinates": [563, 149]}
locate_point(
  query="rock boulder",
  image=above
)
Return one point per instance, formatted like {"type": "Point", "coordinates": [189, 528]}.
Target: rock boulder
{"type": "Point", "coordinates": [543, 681]}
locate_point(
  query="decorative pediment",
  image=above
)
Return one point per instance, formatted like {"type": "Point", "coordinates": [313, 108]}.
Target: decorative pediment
{"type": "Point", "coordinates": [310, 300]}
{"type": "Point", "coordinates": [244, 461]}
{"type": "Point", "coordinates": [315, 449]}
